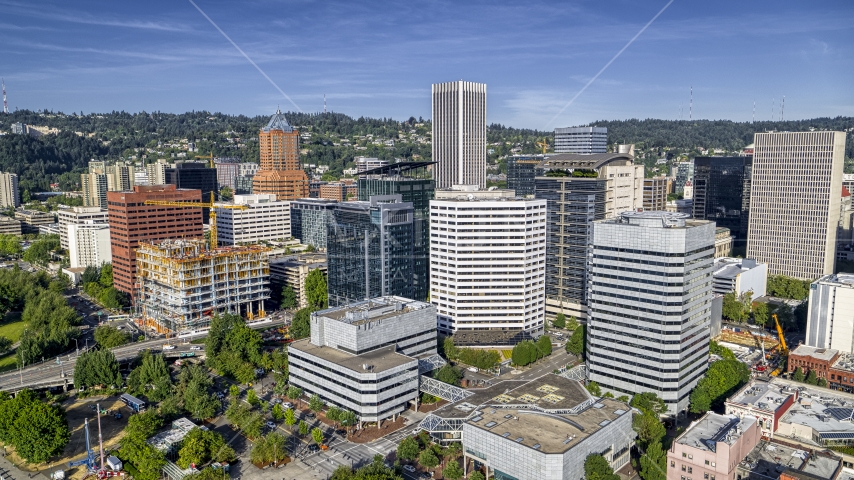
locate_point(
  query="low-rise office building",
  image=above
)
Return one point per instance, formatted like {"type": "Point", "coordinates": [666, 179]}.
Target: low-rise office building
{"type": "Point", "coordinates": [712, 447]}
{"type": "Point", "coordinates": [364, 356]}
{"type": "Point", "coordinates": [292, 271]}
{"type": "Point", "coordinates": [764, 401]}
{"type": "Point", "coordinates": [32, 219]}
{"type": "Point", "coordinates": [740, 276]}
{"type": "Point", "coordinates": [542, 429]}
{"type": "Point", "coordinates": [264, 219]}
{"type": "Point", "coordinates": [723, 242]}
{"type": "Point", "coordinates": [9, 226]}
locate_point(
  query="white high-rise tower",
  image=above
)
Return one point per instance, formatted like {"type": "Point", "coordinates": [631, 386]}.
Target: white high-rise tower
{"type": "Point", "coordinates": [459, 134]}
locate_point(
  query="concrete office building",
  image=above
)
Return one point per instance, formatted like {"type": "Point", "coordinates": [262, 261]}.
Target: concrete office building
{"type": "Point", "coordinates": [156, 172]}
{"type": "Point", "coordinates": [684, 171]}
{"type": "Point", "coordinates": [830, 320]}
{"type": "Point", "coordinates": [292, 271]}
{"type": "Point", "coordinates": [31, 220]}
{"type": "Point", "coordinates": [363, 357]}
{"type": "Point", "coordinates": [369, 249]}
{"type": "Point", "coordinates": [722, 194]}
{"type": "Point", "coordinates": [581, 189]}
{"type": "Point", "coordinates": [94, 187]}
{"type": "Point", "coordinates": [543, 429]}
{"type": "Point", "coordinates": [10, 226]}
{"type": "Point", "coordinates": [363, 164]}
{"type": "Point", "coordinates": [723, 242]}
{"type": "Point", "coordinates": [581, 140]}
{"type": "Point", "coordinates": [9, 195]}
{"type": "Point", "coordinates": [339, 191]}
{"type": "Point", "coordinates": [650, 300]}
{"type": "Point", "coordinates": [194, 176]}
{"type": "Point", "coordinates": [488, 262]}
{"type": "Point", "coordinates": [655, 194]}
{"type": "Point", "coordinates": [248, 169]}
{"type": "Point", "coordinates": [712, 447]}
{"type": "Point", "coordinates": [739, 276]}
{"type": "Point", "coordinates": [795, 202]}
{"type": "Point", "coordinates": [280, 172]}
{"type": "Point", "coordinates": [265, 219]}
{"type": "Point", "coordinates": [459, 134]}
{"type": "Point", "coordinates": [88, 244]}
{"type": "Point", "coordinates": [413, 182]}
{"type": "Point", "coordinates": [131, 221]}
{"type": "Point", "coordinates": [522, 173]}
{"type": "Point", "coordinates": [78, 216]}
{"type": "Point", "coordinates": [309, 220]}
{"type": "Point", "coordinates": [767, 402]}
{"type": "Point", "coordinates": [120, 176]}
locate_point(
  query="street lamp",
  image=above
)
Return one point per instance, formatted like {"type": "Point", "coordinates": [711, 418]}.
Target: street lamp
{"type": "Point", "coordinates": [76, 346]}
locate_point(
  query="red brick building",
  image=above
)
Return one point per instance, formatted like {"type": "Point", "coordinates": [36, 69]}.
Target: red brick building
{"type": "Point", "coordinates": [810, 359]}
{"type": "Point", "coordinates": [132, 221]}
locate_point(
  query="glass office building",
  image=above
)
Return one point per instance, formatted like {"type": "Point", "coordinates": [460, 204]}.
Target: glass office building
{"type": "Point", "coordinates": [413, 183]}
{"type": "Point", "coordinates": [309, 219]}
{"type": "Point", "coordinates": [369, 249]}
{"type": "Point", "coordinates": [521, 172]}
{"type": "Point", "coordinates": [722, 194]}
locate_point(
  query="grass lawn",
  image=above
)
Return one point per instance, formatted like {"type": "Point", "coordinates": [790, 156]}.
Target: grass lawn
{"type": "Point", "coordinates": [7, 362]}
{"type": "Point", "coordinates": [11, 327]}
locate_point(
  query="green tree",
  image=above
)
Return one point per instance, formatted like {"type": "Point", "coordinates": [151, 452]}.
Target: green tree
{"type": "Point", "coordinates": [300, 324]}
{"type": "Point", "coordinates": [722, 378]}
{"type": "Point", "coordinates": [5, 345]}
{"type": "Point", "coordinates": [812, 378]}
{"type": "Point", "coordinates": [733, 308]}
{"type": "Point", "coordinates": [597, 468]}
{"type": "Point", "coordinates": [559, 321]}
{"type": "Point", "coordinates": [289, 298]}
{"type": "Point", "coordinates": [148, 460]}
{"type": "Point", "coordinates": [317, 435]}
{"type": "Point", "coordinates": [234, 391]}
{"type": "Point", "coordinates": [649, 428]}
{"type": "Point", "coordinates": [654, 463]}
{"type": "Point", "coordinates": [594, 389]}
{"type": "Point", "coordinates": [40, 250]}
{"type": "Point", "coordinates": [278, 412]}
{"type": "Point", "coordinates": [408, 449]}
{"type": "Point", "coordinates": [294, 393]}
{"type": "Point", "coordinates": [106, 277]}
{"type": "Point", "coordinates": [10, 245]}
{"type": "Point", "coordinates": [226, 194]}
{"type": "Point", "coordinates": [252, 397]}
{"type": "Point", "coordinates": [110, 337]}
{"type": "Point", "coordinates": [144, 424]}
{"type": "Point", "coordinates": [428, 459]}
{"type": "Point", "coordinates": [151, 378]}
{"type": "Point", "coordinates": [822, 383]}
{"type": "Point", "coordinates": [544, 345]}
{"type": "Point", "coordinates": [348, 419]}
{"type": "Point", "coordinates": [760, 314]}
{"type": "Point", "coordinates": [333, 413]}
{"type": "Point", "coordinates": [576, 343]}
{"type": "Point", "coordinates": [97, 367]}
{"type": "Point", "coordinates": [290, 418]}
{"type": "Point", "coordinates": [785, 287]}
{"type": "Point", "coordinates": [453, 471]}
{"type": "Point", "coordinates": [315, 404]}
{"type": "Point", "coordinates": [448, 374]}
{"type": "Point", "coordinates": [199, 447]}
{"type": "Point", "coordinates": [60, 284]}
{"type": "Point", "coordinates": [315, 289]}
{"type": "Point", "coordinates": [303, 428]}
{"type": "Point", "coordinates": [571, 323]}
{"type": "Point", "coordinates": [37, 430]}
{"type": "Point", "coordinates": [477, 476]}
{"type": "Point", "coordinates": [450, 349]}
{"type": "Point", "coordinates": [649, 402]}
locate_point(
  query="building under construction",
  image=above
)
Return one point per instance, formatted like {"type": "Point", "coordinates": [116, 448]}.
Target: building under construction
{"type": "Point", "coordinates": [183, 283]}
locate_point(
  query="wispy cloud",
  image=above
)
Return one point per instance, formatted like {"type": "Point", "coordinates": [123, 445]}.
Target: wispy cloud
{"type": "Point", "coordinates": [53, 13]}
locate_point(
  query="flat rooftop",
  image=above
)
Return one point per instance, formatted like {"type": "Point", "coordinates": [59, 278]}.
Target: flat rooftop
{"type": "Point", "coordinates": [546, 432]}
{"type": "Point", "coordinates": [830, 414]}
{"type": "Point", "coordinates": [845, 362]}
{"type": "Point", "coordinates": [762, 395]}
{"type": "Point", "coordinates": [706, 432]}
{"type": "Point", "coordinates": [380, 360]}
{"type": "Point", "coordinates": [824, 354]}
{"type": "Point", "coordinates": [769, 460]}
{"type": "Point", "coordinates": [372, 310]}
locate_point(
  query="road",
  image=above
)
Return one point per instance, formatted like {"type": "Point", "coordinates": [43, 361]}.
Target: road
{"type": "Point", "coordinates": [54, 372]}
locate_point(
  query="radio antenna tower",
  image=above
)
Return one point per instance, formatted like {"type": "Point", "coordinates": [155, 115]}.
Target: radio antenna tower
{"type": "Point", "coordinates": [782, 108]}
{"type": "Point", "coordinates": [753, 120]}
{"type": "Point", "coordinates": [324, 103]}
{"type": "Point", "coordinates": [5, 105]}
{"type": "Point", "coordinates": [772, 108]}
{"type": "Point", "coordinates": [691, 105]}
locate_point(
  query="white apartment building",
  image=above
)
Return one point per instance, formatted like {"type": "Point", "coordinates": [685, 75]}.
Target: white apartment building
{"type": "Point", "coordinates": [248, 169]}
{"type": "Point", "coordinates": [830, 319]}
{"type": "Point", "coordinates": [94, 186]}
{"type": "Point", "coordinates": [9, 196]}
{"type": "Point", "coordinates": [78, 216]}
{"type": "Point", "coordinates": [649, 304]}
{"type": "Point", "coordinates": [265, 219]}
{"type": "Point", "coordinates": [89, 245]}
{"type": "Point", "coordinates": [363, 164]}
{"type": "Point", "coordinates": [582, 140]}
{"type": "Point", "coordinates": [487, 261]}
{"type": "Point", "coordinates": [156, 172]}
{"type": "Point", "coordinates": [740, 275]}
{"type": "Point", "coordinates": [795, 202]}
{"type": "Point", "coordinates": [459, 134]}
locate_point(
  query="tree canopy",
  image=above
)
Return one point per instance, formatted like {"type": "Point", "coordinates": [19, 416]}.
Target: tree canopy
{"type": "Point", "coordinates": [97, 367]}
{"type": "Point", "coordinates": [37, 430]}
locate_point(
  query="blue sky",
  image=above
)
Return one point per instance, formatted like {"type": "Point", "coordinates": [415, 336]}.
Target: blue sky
{"type": "Point", "coordinates": [379, 58]}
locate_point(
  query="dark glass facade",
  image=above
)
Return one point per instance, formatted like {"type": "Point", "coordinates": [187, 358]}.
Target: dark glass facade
{"type": "Point", "coordinates": [419, 192]}
{"type": "Point", "coordinates": [573, 205]}
{"type": "Point", "coordinates": [309, 220]}
{"type": "Point", "coordinates": [521, 173]}
{"type": "Point", "coordinates": [722, 194]}
{"type": "Point", "coordinates": [196, 176]}
{"type": "Point", "coordinates": [369, 250]}
{"type": "Point", "coordinates": [243, 185]}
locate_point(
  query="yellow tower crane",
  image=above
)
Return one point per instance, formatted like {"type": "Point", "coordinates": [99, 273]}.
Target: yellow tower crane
{"type": "Point", "coordinates": [208, 157]}
{"type": "Point", "coordinates": [211, 205]}
{"type": "Point", "coordinates": [544, 144]}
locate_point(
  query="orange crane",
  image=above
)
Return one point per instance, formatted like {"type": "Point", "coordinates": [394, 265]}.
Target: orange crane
{"type": "Point", "coordinates": [208, 157]}
{"type": "Point", "coordinates": [544, 144]}
{"type": "Point", "coordinates": [213, 206]}
{"type": "Point", "coordinates": [784, 349]}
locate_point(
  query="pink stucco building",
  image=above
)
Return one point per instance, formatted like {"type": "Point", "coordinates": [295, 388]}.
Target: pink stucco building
{"type": "Point", "coordinates": [712, 447]}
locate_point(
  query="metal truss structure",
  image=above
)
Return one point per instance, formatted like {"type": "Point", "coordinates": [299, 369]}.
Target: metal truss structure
{"type": "Point", "coordinates": [436, 424]}
{"type": "Point", "coordinates": [579, 373]}
{"type": "Point", "coordinates": [428, 364]}
{"type": "Point", "coordinates": [443, 390]}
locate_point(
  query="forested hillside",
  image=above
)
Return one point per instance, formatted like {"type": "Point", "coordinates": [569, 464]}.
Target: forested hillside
{"type": "Point", "coordinates": [334, 140]}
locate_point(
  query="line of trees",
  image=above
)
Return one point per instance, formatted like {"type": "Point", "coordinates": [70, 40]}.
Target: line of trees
{"type": "Point", "coordinates": [722, 378]}
{"type": "Point", "coordinates": [98, 284]}
{"type": "Point", "coordinates": [527, 352]}
{"type": "Point", "coordinates": [476, 357]}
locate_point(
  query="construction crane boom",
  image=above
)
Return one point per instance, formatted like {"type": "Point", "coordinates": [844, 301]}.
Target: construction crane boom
{"type": "Point", "coordinates": [544, 144]}
{"type": "Point", "coordinates": [213, 206]}
{"type": "Point", "coordinates": [783, 347]}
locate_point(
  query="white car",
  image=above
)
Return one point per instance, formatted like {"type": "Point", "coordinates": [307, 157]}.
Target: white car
{"type": "Point", "coordinates": [409, 468]}
{"type": "Point", "coordinates": [473, 369]}
{"type": "Point", "coordinates": [196, 348]}
{"type": "Point", "coordinates": [168, 347]}
{"type": "Point", "coordinates": [288, 405]}
{"type": "Point", "coordinates": [271, 425]}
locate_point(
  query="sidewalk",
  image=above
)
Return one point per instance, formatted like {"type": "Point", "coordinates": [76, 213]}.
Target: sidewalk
{"type": "Point", "coordinates": [8, 471]}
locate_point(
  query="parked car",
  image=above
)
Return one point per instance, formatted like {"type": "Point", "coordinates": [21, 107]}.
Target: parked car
{"type": "Point", "coordinates": [409, 468]}
{"type": "Point", "coordinates": [288, 405]}
{"type": "Point", "coordinates": [473, 369]}
{"type": "Point", "coordinates": [196, 347]}
{"type": "Point", "coordinates": [271, 425]}
{"type": "Point", "coordinates": [168, 347]}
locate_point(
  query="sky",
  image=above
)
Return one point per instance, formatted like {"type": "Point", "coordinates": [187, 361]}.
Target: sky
{"type": "Point", "coordinates": [378, 58]}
